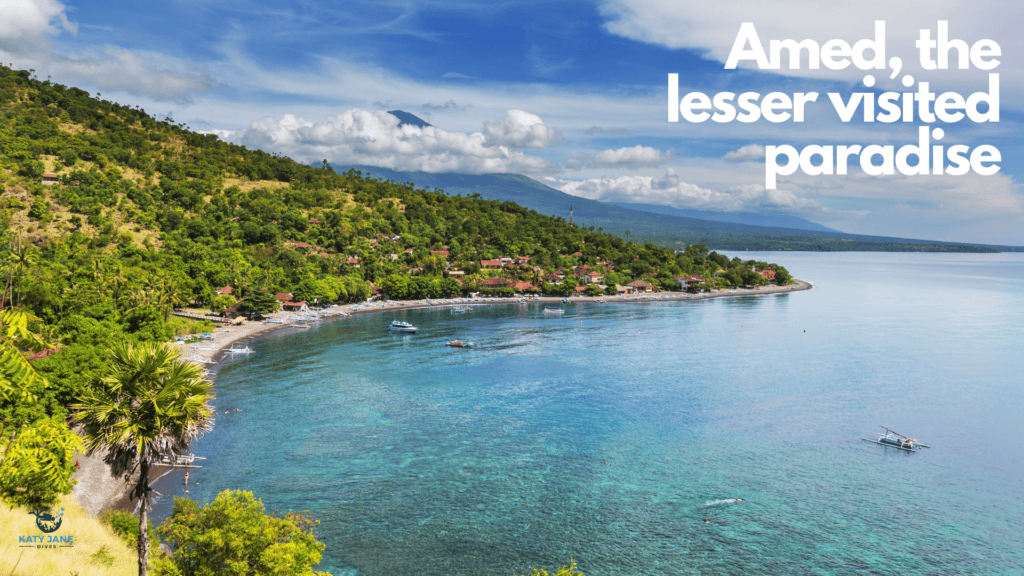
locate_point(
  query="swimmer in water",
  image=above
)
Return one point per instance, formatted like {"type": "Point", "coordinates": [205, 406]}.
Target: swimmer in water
{"type": "Point", "coordinates": [706, 521]}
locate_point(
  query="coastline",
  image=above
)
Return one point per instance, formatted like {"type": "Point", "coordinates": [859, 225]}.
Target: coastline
{"type": "Point", "coordinates": [97, 490]}
{"type": "Point", "coordinates": [225, 337]}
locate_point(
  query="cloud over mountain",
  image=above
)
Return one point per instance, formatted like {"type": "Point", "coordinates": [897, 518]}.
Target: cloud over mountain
{"type": "Point", "coordinates": [375, 138]}
{"type": "Point", "coordinates": [670, 190]}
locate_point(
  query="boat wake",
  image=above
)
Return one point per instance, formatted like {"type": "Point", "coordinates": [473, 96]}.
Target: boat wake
{"type": "Point", "coordinates": [726, 501]}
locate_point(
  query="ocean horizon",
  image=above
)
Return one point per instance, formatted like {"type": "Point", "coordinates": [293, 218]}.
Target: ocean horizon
{"type": "Point", "coordinates": [609, 434]}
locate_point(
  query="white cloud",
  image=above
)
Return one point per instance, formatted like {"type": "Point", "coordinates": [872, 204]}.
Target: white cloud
{"type": "Point", "coordinates": [691, 25]}
{"type": "Point", "coordinates": [634, 157]}
{"type": "Point", "coordinates": [521, 130]}
{"type": "Point", "coordinates": [27, 30]}
{"type": "Point", "coordinates": [670, 190]}
{"type": "Point", "coordinates": [375, 138]}
{"type": "Point", "coordinates": [26, 25]}
{"type": "Point", "coordinates": [748, 152]}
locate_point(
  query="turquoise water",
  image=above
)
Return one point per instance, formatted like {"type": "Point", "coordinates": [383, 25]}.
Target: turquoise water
{"type": "Point", "coordinates": [609, 434]}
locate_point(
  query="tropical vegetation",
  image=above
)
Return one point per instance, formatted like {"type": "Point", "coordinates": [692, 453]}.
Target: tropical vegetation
{"type": "Point", "coordinates": [146, 402]}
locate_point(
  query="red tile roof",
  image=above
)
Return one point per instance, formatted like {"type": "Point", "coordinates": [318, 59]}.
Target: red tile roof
{"type": "Point", "coordinates": [283, 296]}
{"type": "Point", "coordinates": [492, 263]}
{"type": "Point", "coordinates": [44, 353]}
{"type": "Point", "coordinates": [439, 253]}
{"type": "Point", "coordinates": [225, 290]}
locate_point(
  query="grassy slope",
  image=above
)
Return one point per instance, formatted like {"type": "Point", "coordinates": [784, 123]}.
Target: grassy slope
{"type": "Point", "coordinates": [90, 536]}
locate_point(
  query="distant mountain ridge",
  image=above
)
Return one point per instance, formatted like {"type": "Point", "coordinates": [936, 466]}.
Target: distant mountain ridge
{"type": "Point", "coordinates": [769, 218]}
{"type": "Point", "coordinates": [663, 229]}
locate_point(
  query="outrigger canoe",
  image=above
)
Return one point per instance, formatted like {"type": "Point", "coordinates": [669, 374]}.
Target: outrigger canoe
{"type": "Point", "coordinates": [897, 440]}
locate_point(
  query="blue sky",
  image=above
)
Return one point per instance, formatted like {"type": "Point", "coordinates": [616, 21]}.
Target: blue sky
{"type": "Point", "coordinates": [570, 93]}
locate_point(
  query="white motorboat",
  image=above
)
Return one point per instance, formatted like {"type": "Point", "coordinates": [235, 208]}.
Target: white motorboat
{"type": "Point", "coordinates": [553, 310]}
{"type": "Point", "coordinates": [397, 326]}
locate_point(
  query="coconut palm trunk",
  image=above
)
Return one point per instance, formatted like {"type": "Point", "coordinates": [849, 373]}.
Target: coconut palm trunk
{"type": "Point", "coordinates": [143, 487]}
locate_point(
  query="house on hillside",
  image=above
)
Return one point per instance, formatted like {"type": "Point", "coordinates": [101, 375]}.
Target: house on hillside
{"type": "Point", "coordinates": [691, 280]}
{"type": "Point", "coordinates": [523, 286]}
{"type": "Point", "coordinates": [641, 286]}
{"type": "Point", "coordinates": [49, 179]}
{"type": "Point", "coordinates": [593, 278]}
{"type": "Point", "coordinates": [490, 263]}
{"type": "Point", "coordinates": [295, 306]}
{"type": "Point", "coordinates": [283, 297]}
{"type": "Point", "coordinates": [227, 290]}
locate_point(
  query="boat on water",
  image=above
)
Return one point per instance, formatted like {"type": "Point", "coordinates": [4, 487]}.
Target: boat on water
{"type": "Point", "coordinates": [897, 440]}
{"type": "Point", "coordinates": [242, 350]}
{"type": "Point", "coordinates": [460, 310]}
{"type": "Point", "coordinates": [553, 310]}
{"type": "Point", "coordinates": [459, 344]}
{"type": "Point", "coordinates": [397, 326]}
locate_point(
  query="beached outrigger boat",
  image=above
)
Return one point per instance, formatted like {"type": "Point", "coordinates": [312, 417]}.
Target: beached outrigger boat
{"type": "Point", "coordinates": [458, 344]}
{"type": "Point", "coordinates": [896, 440]}
{"type": "Point", "coordinates": [397, 326]}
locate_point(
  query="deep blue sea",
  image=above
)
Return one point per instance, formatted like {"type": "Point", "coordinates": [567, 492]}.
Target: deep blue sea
{"type": "Point", "coordinates": [610, 433]}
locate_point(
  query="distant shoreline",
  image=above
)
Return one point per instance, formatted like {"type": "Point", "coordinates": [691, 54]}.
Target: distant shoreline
{"type": "Point", "coordinates": [97, 490]}
{"type": "Point", "coordinates": [250, 331]}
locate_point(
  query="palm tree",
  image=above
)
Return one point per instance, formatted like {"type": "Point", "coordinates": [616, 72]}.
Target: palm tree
{"type": "Point", "coordinates": [147, 401]}
{"type": "Point", "coordinates": [171, 295]}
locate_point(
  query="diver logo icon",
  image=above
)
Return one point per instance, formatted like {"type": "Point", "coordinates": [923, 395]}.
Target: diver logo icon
{"type": "Point", "coordinates": [46, 521]}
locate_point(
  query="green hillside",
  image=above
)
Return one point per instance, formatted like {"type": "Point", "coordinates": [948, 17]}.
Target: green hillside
{"type": "Point", "coordinates": [666, 226]}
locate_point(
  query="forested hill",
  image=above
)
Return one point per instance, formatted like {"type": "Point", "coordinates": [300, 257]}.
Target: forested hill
{"type": "Point", "coordinates": [143, 214]}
